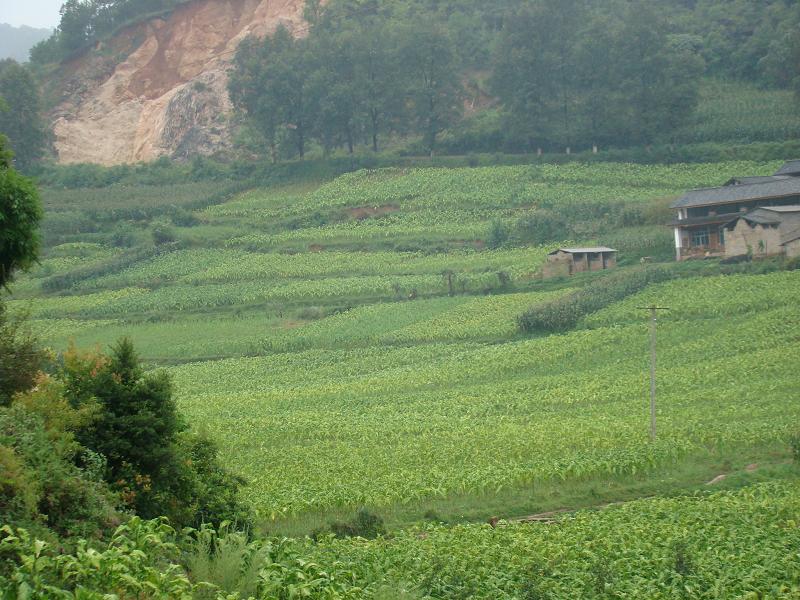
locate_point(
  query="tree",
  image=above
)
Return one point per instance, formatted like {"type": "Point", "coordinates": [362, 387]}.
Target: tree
{"type": "Point", "coordinates": [434, 84]}
{"type": "Point", "coordinates": [271, 86]}
{"type": "Point", "coordinates": [570, 71]}
{"type": "Point", "coordinates": [598, 82]}
{"type": "Point", "coordinates": [536, 75]}
{"type": "Point", "coordinates": [359, 46]}
{"type": "Point", "coordinates": [334, 90]}
{"type": "Point", "coordinates": [76, 28]}
{"type": "Point", "coordinates": [20, 119]}
{"type": "Point", "coordinates": [658, 79]}
{"type": "Point", "coordinates": [379, 77]}
{"type": "Point", "coordinates": [151, 459]}
{"type": "Point", "coordinates": [137, 428]}
{"type": "Point", "coordinates": [20, 215]}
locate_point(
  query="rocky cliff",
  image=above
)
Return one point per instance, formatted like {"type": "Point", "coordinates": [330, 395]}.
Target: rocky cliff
{"type": "Point", "coordinates": [160, 87]}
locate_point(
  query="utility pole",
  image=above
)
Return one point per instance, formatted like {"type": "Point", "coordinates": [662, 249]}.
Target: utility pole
{"type": "Point", "coordinates": [653, 323]}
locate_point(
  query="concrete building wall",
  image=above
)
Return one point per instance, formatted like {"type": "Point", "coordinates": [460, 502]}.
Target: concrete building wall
{"type": "Point", "coordinates": [762, 241]}
{"type": "Point", "coordinates": [596, 262]}
{"type": "Point", "coordinates": [558, 265]}
{"type": "Point", "coordinates": [792, 248]}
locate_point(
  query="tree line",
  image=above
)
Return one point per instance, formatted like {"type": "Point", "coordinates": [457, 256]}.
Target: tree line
{"type": "Point", "coordinates": [510, 75]}
{"type": "Point", "coordinates": [559, 72]}
{"type": "Point", "coordinates": [84, 22]}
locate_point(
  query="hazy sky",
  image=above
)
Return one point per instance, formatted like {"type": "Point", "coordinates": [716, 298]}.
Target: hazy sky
{"type": "Point", "coordinates": [36, 13]}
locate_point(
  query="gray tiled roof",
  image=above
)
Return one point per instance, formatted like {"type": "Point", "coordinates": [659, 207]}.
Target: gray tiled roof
{"type": "Point", "coordinates": [740, 193]}
{"type": "Point", "coordinates": [790, 168]}
{"type": "Point", "coordinates": [770, 215]}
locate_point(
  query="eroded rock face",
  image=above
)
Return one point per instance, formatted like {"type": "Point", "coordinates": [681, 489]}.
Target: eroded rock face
{"type": "Point", "coordinates": [168, 95]}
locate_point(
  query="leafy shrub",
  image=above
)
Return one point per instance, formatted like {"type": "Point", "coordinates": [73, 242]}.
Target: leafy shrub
{"type": "Point", "coordinates": [565, 313]}
{"type": "Point", "coordinates": [539, 227]}
{"type": "Point", "coordinates": [183, 218]}
{"type": "Point", "coordinates": [20, 214]}
{"type": "Point", "coordinates": [123, 236]}
{"type": "Point", "coordinates": [20, 357]}
{"type": "Point", "coordinates": [40, 484]}
{"type": "Point", "coordinates": [499, 234]}
{"type": "Point", "coordinates": [163, 234]}
{"type": "Point", "coordinates": [158, 467]}
{"type": "Point", "coordinates": [794, 444]}
{"type": "Point", "coordinates": [210, 491]}
{"type": "Point", "coordinates": [365, 525]}
{"type": "Point", "coordinates": [140, 561]}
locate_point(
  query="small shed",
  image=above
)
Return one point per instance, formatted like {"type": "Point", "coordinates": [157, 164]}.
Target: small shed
{"type": "Point", "coordinates": [568, 261]}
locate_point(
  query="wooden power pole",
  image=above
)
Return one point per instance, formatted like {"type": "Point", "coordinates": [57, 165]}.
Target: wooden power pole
{"type": "Point", "coordinates": [653, 323]}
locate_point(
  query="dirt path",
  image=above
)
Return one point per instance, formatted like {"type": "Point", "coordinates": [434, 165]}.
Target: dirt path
{"type": "Point", "coordinates": [553, 516]}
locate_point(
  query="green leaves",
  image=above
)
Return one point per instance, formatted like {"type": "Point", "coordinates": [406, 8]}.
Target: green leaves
{"type": "Point", "coordinates": [20, 213]}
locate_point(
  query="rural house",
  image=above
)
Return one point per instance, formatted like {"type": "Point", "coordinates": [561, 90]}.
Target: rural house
{"type": "Point", "coordinates": [568, 261]}
{"type": "Point", "coordinates": [764, 231]}
{"type": "Point", "coordinates": [700, 227]}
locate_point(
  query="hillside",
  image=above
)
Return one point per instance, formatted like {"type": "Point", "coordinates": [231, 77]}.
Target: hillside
{"type": "Point", "coordinates": [303, 302]}
{"type": "Point", "coordinates": [159, 87]}
{"type": "Point", "coordinates": [352, 344]}
{"type": "Point", "coordinates": [16, 42]}
{"type": "Point", "coordinates": [141, 79]}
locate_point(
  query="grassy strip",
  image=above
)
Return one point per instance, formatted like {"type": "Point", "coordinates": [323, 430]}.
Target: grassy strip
{"type": "Point", "coordinates": [693, 475]}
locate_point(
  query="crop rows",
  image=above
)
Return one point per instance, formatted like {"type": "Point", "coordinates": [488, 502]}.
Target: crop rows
{"type": "Point", "coordinates": [199, 266]}
{"type": "Point", "coordinates": [726, 545]}
{"type": "Point", "coordinates": [381, 425]}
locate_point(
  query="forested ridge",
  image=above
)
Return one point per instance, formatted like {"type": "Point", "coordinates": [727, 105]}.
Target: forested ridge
{"type": "Point", "coordinates": [417, 77]}
{"type": "Point", "coordinates": [526, 76]}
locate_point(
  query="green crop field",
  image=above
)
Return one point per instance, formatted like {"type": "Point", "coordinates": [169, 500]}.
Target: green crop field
{"type": "Point", "coordinates": [740, 545]}
{"type": "Point", "coordinates": [355, 343]}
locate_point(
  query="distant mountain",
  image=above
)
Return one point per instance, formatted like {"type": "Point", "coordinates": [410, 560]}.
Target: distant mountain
{"type": "Point", "coordinates": [16, 42]}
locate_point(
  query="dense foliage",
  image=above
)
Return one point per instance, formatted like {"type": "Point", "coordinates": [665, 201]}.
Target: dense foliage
{"type": "Point", "coordinates": [708, 546]}
{"type": "Point", "coordinates": [21, 120]}
{"type": "Point", "coordinates": [570, 74]}
{"type": "Point", "coordinates": [20, 214]}
{"type": "Point", "coordinates": [83, 22]}
{"type": "Point", "coordinates": [148, 458]}
{"type": "Point", "coordinates": [563, 75]}
{"type": "Point", "coordinates": [564, 313]}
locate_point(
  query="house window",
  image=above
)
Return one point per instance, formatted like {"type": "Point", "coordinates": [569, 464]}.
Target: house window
{"type": "Point", "coordinates": [700, 237]}
{"type": "Point", "coordinates": [721, 236]}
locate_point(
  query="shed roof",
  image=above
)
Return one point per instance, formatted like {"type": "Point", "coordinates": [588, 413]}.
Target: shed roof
{"type": "Point", "coordinates": [597, 250]}
{"type": "Point", "coordinates": [773, 188]}
{"type": "Point", "coordinates": [792, 167]}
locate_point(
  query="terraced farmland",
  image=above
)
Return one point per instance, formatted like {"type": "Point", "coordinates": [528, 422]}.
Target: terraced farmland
{"type": "Point", "coordinates": [356, 343]}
